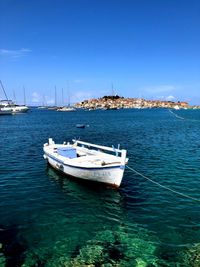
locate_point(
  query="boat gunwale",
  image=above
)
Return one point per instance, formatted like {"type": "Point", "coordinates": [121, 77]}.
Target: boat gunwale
{"type": "Point", "coordinates": [120, 166]}
{"type": "Point", "coordinates": [106, 148]}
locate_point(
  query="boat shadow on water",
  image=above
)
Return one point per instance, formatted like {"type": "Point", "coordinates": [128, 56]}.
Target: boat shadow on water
{"type": "Point", "coordinates": [79, 186]}
{"type": "Point", "coordinates": [122, 195]}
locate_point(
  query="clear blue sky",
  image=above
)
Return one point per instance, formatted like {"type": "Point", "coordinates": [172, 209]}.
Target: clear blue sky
{"type": "Point", "coordinates": [145, 48]}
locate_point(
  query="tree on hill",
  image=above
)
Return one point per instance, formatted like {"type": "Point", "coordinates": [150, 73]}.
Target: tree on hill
{"type": "Point", "coordinates": [111, 97]}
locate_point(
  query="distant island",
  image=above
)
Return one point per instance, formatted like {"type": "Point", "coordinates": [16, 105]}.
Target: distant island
{"type": "Point", "coordinates": [119, 102]}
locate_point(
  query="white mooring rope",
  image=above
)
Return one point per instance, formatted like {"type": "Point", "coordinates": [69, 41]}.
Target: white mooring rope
{"type": "Point", "coordinates": [177, 116]}
{"type": "Point", "coordinates": [160, 185]}
{"type": "Point", "coordinates": [182, 118]}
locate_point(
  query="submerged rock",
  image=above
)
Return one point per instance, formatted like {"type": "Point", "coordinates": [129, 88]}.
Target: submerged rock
{"type": "Point", "coordinates": [117, 248]}
{"type": "Point", "coordinates": [191, 257]}
{"type": "Point", "coordinates": [90, 255]}
{"type": "Point", "coordinates": [12, 247]}
{"type": "Point", "coordinates": [2, 261]}
{"type": "Point", "coordinates": [2, 257]}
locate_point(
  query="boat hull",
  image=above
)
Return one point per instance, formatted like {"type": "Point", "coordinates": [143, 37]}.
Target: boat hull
{"type": "Point", "coordinates": [108, 175]}
{"type": "Point", "coordinates": [4, 112]}
{"type": "Point", "coordinates": [20, 109]}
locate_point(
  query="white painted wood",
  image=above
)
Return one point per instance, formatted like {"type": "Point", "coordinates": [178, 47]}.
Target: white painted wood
{"type": "Point", "coordinates": [90, 164]}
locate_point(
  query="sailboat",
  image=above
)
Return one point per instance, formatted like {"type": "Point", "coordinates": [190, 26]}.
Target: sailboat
{"type": "Point", "coordinates": [55, 107]}
{"type": "Point", "coordinates": [9, 107]}
{"type": "Point", "coordinates": [20, 108]}
{"type": "Point", "coordinates": [5, 108]}
{"type": "Point", "coordinates": [44, 105]}
{"type": "Point", "coordinates": [66, 108]}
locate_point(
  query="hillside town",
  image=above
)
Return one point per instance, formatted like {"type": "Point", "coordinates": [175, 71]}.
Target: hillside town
{"type": "Point", "coordinates": [117, 102]}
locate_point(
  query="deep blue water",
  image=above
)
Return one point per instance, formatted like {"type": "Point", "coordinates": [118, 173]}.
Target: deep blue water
{"type": "Point", "coordinates": [46, 219]}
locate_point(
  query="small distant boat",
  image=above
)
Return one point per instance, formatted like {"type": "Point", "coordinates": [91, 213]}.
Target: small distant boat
{"type": "Point", "coordinates": [42, 107]}
{"type": "Point", "coordinates": [176, 107]}
{"type": "Point", "coordinates": [66, 109]}
{"type": "Point", "coordinates": [87, 161]}
{"type": "Point", "coordinates": [52, 108]}
{"type": "Point", "coordinates": [80, 125]}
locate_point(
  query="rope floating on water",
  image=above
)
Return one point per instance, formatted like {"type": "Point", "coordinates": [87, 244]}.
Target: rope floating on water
{"type": "Point", "coordinates": [163, 186]}
{"type": "Point", "coordinates": [182, 118]}
{"type": "Point", "coordinates": [177, 116]}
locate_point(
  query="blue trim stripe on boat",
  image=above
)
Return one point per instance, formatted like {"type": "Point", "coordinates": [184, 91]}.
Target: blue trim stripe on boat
{"type": "Point", "coordinates": [85, 168]}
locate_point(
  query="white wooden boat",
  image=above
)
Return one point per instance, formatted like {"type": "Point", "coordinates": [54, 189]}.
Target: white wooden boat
{"type": "Point", "coordinates": [87, 161]}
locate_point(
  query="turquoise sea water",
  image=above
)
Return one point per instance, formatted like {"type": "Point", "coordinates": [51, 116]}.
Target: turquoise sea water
{"type": "Point", "coordinates": [48, 220]}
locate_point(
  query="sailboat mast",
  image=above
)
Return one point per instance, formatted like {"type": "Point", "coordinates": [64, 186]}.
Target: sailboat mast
{"type": "Point", "coordinates": [62, 97]}
{"type": "Point", "coordinates": [112, 90]}
{"type": "Point", "coordinates": [68, 99]}
{"type": "Point", "coordinates": [14, 97]}
{"type": "Point", "coordinates": [55, 97]}
{"type": "Point", "coordinates": [68, 94]}
{"type": "Point", "coordinates": [43, 101]}
{"type": "Point", "coordinates": [24, 96]}
{"type": "Point", "coordinates": [4, 90]}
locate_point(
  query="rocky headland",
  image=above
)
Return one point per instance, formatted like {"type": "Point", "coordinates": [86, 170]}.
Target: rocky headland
{"type": "Point", "coordinates": [118, 102]}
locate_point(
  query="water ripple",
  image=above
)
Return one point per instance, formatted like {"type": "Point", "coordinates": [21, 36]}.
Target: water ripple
{"type": "Point", "coordinates": [58, 217]}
